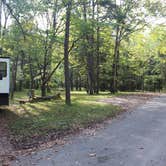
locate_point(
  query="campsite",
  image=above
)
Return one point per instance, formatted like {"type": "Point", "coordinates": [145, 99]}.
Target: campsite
{"type": "Point", "coordinates": [82, 82]}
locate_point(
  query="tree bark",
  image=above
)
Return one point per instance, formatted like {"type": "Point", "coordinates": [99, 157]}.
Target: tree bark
{"type": "Point", "coordinates": [14, 76]}
{"type": "Point", "coordinates": [90, 54]}
{"type": "Point", "coordinates": [66, 53]}
{"type": "Point", "coordinates": [0, 19]}
{"type": "Point", "coordinates": [114, 81]}
{"type": "Point", "coordinates": [71, 79]}
{"type": "Point", "coordinates": [22, 66]}
{"type": "Point", "coordinates": [98, 53]}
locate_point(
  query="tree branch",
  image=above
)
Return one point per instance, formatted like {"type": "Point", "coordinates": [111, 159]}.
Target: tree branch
{"type": "Point", "coordinates": [59, 63]}
{"type": "Point", "coordinates": [11, 12]}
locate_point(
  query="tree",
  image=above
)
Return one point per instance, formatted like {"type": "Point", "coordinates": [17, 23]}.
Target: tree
{"type": "Point", "coordinates": [66, 52]}
{"type": "Point", "coordinates": [125, 17]}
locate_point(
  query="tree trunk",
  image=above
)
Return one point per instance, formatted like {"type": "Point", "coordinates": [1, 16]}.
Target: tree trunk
{"type": "Point", "coordinates": [90, 54]}
{"type": "Point", "coordinates": [66, 54]}
{"type": "Point", "coordinates": [0, 19]}
{"type": "Point", "coordinates": [45, 66]}
{"type": "Point", "coordinates": [98, 53]}
{"type": "Point", "coordinates": [14, 76]}
{"type": "Point", "coordinates": [77, 82]}
{"type": "Point", "coordinates": [43, 90]}
{"type": "Point", "coordinates": [115, 65]}
{"type": "Point", "coordinates": [71, 79]}
{"type": "Point", "coordinates": [31, 86]}
{"type": "Point", "coordinates": [80, 84]}
{"type": "Point", "coordinates": [22, 66]}
{"type": "Point", "coordinates": [90, 65]}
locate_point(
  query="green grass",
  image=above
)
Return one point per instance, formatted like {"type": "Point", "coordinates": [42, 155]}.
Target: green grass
{"type": "Point", "coordinates": [40, 118]}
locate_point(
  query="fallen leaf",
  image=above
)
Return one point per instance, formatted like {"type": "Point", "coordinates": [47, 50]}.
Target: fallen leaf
{"type": "Point", "coordinates": [92, 154]}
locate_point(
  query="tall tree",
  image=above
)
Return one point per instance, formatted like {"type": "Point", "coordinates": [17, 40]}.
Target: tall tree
{"type": "Point", "coordinates": [66, 52]}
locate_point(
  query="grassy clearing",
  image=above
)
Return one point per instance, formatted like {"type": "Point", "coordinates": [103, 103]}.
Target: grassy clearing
{"type": "Point", "coordinates": [38, 119]}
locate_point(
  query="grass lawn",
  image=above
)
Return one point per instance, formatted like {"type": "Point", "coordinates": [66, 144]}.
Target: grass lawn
{"type": "Point", "coordinates": [39, 119]}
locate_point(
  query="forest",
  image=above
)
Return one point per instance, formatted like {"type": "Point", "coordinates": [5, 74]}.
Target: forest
{"type": "Point", "coordinates": [91, 45]}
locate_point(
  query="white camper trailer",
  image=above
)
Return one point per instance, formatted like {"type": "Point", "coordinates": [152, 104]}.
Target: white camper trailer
{"type": "Point", "coordinates": [4, 80]}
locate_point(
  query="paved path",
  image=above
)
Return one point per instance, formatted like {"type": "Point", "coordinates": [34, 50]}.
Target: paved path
{"type": "Point", "coordinates": [137, 138]}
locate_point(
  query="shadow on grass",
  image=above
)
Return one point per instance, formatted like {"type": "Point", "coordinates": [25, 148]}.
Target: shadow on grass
{"type": "Point", "coordinates": [41, 122]}
{"type": "Point", "coordinates": [7, 114]}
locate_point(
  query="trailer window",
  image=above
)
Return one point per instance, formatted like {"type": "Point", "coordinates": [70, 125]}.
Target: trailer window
{"type": "Point", "coordinates": [3, 69]}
